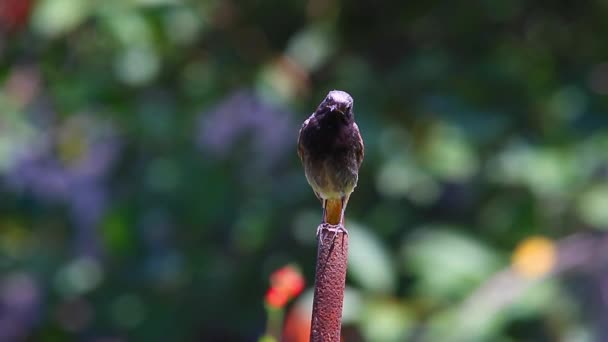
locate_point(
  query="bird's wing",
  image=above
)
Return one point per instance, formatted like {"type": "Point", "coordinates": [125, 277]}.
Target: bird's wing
{"type": "Point", "coordinates": [359, 148]}
{"type": "Point", "coordinates": [300, 148]}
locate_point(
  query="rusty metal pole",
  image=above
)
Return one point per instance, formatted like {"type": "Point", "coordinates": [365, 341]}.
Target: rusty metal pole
{"type": "Point", "coordinates": [330, 279]}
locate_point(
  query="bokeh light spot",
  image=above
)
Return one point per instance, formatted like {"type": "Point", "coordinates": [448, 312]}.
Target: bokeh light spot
{"type": "Point", "coordinates": [137, 65]}
{"type": "Point", "coordinates": [534, 257]}
{"type": "Point", "coordinates": [182, 25]}
{"type": "Point", "coordinates": [450, 155]}
{"type": "Point", "coordinates": [79, 276]}
{"type": "Point", "coordinates": [310, 48]}
{"type": "Point", "coordinates": [56, 17]}
{"type": "Point", "coordinates": [593, 206]}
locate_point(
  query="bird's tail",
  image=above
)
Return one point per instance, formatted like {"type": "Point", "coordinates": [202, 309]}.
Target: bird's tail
{"type": "Point", "coordinates": [333, 211]}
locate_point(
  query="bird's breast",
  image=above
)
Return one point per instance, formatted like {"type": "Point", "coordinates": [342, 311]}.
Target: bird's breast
{"type": "Point", "coordinates": [329, 160]}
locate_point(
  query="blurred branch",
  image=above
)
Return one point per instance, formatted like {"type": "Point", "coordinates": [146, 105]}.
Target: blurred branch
{"type": "Point", "coordinates": [578, 252]}
{"type": "Point", "coordinates": [332, 257]}
{"type": "Point", "coordinates": [575, 252]}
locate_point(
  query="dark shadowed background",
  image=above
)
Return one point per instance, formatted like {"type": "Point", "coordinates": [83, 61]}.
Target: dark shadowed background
{"type": "Point", "coordinates": [149, 182]}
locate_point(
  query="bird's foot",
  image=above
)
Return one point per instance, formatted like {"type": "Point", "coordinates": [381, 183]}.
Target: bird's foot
{"type": "Point", "coordinates": [320, 232]}
{"type": "Point", "coordinates": [335, 228]}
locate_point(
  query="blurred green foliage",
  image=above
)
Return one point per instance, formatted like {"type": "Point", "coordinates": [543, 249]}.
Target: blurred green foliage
{"type": "Point", "coordinates": [150, 183]}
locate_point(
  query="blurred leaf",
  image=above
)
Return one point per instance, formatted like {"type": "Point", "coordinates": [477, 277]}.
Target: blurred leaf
{"type": "Point", "coordinates": [400, 177]}
{"type": "Point", "coordinates": [311, 47]}
{"type": "Point", "coordinates": [183, 25]}
{"type": "Point", "coordinates": [117, 234]}
{"type": "Point", "coordinates": [447, 263]}
{"type": "Point", "coordinates": [593, 206]}
{"type": "Point", "coordinates": [128, 26]}
{"type": "Point", "coordinates": [449, 154]}
{"type": "Point", "coordinates": [137, 66]}
{"type": "Point", "coordinates": [354, 305]}
{"type": "Point", "coordinates": [56, 17]}
{"type": "Point", "coordinates": [546, 171]}
{"type": "Point", "coordinates": [369, 262]}
{"type": "Point", "coordinates": [386, 320]}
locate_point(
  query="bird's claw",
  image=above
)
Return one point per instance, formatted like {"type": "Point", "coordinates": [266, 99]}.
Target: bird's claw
{"type": "Point", "coordinates": [330, 228]}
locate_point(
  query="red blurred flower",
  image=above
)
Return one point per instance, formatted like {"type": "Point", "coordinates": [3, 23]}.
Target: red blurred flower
{"type": "Point", "coordinates": [287, 279]}
{"type": "Point", "coordinates": [14, 13]}
{"type": "Point", "coordinates": [276, 298]}
{"type": "Point", "coordinates": [285, 284]}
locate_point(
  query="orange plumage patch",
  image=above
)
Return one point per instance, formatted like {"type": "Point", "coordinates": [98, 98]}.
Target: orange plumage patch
{"type": "Point", "coordinates": [333, 211]}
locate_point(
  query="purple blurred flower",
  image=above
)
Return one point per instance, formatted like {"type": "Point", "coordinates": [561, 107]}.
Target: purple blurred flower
{"type": "Point", "coordinates": [19, 306]}
{"type": "Point", "coordinates": [70, 164]}
{"type": "Point", "coordinates": [245, 114]}
{"type": "Point", "coordinates": [39, 175]}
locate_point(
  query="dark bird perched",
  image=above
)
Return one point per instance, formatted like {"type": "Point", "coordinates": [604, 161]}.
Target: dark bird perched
{"type": "Point", "coordinates": [331, 149]}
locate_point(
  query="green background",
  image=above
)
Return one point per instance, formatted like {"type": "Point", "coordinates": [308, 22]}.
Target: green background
{"type": "Point", "coordinates": [149, 182]}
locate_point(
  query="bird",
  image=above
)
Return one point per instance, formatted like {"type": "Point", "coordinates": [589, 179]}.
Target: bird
{"type": "Point", "coordinates": [331, 149]}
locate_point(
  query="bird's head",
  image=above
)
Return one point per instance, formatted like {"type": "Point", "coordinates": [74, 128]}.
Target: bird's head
{"type": "Point", "coordinates": [338, 102]}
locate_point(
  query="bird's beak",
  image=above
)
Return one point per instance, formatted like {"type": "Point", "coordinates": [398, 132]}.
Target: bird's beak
{"type": "Point", "coordinates": [339, 109]}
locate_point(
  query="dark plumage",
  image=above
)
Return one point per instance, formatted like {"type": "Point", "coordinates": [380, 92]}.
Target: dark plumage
{"type": "Point", "coordinates": [331, 149]}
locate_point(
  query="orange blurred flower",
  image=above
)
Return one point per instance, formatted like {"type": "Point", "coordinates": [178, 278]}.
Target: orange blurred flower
{"type": "Point", "coordinates": [297, 326]}
{"type": "Point", "coordinates": [534, 257]}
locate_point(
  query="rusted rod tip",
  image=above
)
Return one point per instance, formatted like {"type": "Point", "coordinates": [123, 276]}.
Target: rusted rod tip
{"type": "Point", "coordinates": [330, 279]}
